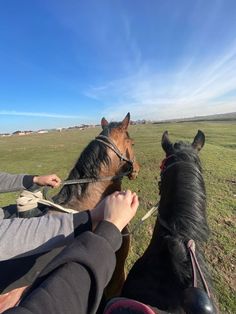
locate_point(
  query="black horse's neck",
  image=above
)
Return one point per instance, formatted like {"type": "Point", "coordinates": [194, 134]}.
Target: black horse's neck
{"type": "Point", "coordinates": [183, 199]}
{"type": "Point", "coordinates": [164, 271]}
{"type": "Point", "coordinates": [182, 214]}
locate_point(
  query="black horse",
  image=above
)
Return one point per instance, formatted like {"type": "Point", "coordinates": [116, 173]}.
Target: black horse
{"type": "Point", "coordinates": [165, 276]}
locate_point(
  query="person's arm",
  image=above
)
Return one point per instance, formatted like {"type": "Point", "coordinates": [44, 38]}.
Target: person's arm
{"type": "Point", "coordinates": [74, 281]}
{"type": "Point", "coordinates": [16, 182]}
{"type": "Point", "coordinates": [22, 237]}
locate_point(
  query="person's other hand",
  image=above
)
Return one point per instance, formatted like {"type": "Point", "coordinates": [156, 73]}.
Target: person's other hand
{"type": "Point", "coordinates": [52, 180]}
{"type": "Point", "coordinates": [120, 208]}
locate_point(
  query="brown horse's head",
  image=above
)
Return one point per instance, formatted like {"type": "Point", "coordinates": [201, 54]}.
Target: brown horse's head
{"type": "Point", "coordinates": [118, 134]}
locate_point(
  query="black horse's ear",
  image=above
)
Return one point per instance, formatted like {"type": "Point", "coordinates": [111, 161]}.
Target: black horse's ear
{"type": "Point", "coordinates": [166, 143]}
{"type": "Point", "coordinates": [199, 141]}
{"type": "Point", "coordinates": [125, 122]}
{"type": "Point", "coordinates": [104, 123]}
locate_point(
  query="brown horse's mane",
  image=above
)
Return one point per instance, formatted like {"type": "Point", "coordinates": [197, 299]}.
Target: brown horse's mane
{"type": "Point", "coordinates": [88, 165]}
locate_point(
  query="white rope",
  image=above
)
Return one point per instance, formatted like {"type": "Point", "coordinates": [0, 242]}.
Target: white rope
{"type": "Point", "coordinates": [29, 200]}
{"type": "Point", "coordinates": [149, 213]}
{"type": "Point", "coordinates": [146, 216]}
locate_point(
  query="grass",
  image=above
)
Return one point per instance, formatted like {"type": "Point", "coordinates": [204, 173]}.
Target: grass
{"type": "Point", "coordinates": [57, 152]}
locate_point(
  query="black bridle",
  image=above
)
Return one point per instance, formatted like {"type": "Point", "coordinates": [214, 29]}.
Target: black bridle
{"type": "Point", "coordinates": [109, 143]}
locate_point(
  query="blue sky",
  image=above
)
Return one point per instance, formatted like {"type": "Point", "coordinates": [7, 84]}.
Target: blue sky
{"type": "Point", "coordinates": [69, 62]}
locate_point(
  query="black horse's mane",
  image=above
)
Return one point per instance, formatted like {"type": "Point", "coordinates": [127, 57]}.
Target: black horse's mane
{"type": "Point", "coordinates": [183, 194]}
{"type": "Point", "coordinates": [164, 271]}
{"type": "Point", "coordinates": [183, 208]}
{"type": "Point", "coordinates": [88, 165]}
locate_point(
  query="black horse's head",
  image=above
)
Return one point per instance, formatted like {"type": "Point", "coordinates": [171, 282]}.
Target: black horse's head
{"type": "Point", "coordinates": [182, 188]}
{"type": "Point", "coordinates": [182, 151]}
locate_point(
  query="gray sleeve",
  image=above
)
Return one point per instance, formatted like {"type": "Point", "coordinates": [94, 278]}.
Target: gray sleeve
{"type": "Point", "coordinates": [21, 237]}
{"type": "Point", "coordinates": [11, 182]}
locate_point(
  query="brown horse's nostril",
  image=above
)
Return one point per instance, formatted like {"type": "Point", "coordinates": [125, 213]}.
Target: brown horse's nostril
{"type": "Point", "coordinates": [133, 175]}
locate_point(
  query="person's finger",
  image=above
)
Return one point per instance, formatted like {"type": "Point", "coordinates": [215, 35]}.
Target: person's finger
{"type": "Point", "coordinates": [135, 202]}
{"type": "Point", "coordinates": [56, 178]}
{"type": "Point", "coordinates": [56, 184]}
{"type": "Point", "coordinates": [116, 193]}
{"type": "Point", "coordinates": [53, 183]}
{"type": "Point", "coordinates": [128, 193]}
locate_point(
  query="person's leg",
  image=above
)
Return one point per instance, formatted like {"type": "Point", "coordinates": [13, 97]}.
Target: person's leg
{"type": "Point", "coordinates": [10, 211]}
{"type": "Point", "coordinates": [34, 212]}
{"type": "Point", "coordinates": [20, 272]}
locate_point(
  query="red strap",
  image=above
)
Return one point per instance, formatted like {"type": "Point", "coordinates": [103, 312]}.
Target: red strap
{"type": "Point", "coordinates": [163, 166]}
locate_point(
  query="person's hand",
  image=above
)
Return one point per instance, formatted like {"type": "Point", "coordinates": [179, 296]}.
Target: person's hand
{"type": "Point", "coordinates": [120, 208]}
{"type": "Point", "coordinates": [52, 180]}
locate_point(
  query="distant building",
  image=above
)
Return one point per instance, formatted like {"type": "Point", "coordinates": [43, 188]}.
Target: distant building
{"type": "Point", "coordinates": [18, 133]}
{"type": "Point", "coordinates": [22, 132]}
{"type": "Point", "coordinates": [42, 131]}
{"type": "Point", "coordinates": [5, 134]}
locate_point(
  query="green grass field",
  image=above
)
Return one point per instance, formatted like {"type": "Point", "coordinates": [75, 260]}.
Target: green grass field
{"type": "Point", "coordinates": [57, 152]}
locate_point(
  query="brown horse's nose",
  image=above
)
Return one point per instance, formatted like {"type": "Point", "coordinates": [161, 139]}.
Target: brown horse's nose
{"type": "Point", "coordinates": [133, 175]}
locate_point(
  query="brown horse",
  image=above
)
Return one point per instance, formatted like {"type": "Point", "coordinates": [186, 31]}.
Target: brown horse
{"type": "Point", "coordinates": [108, 155]}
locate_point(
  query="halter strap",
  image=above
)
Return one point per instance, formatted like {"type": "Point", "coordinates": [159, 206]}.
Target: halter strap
{"type": "Point", "coordinates": [109, 143]}
{"type": "Point", "coordinates": [164, 168]}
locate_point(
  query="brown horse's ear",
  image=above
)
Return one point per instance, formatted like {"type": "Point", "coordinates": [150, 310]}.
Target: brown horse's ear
{"type": "Point", "coordinates": [104, 123]}
{"type": "Point", "coordinates": [166, 143]}
{"type": "Point", "coordinates": [125, 122]}
{"type": "Point", "coordinates": [199, 141]}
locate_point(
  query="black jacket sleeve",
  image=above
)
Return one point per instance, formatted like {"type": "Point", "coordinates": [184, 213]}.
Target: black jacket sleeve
{"type": "Point", "coordinates": [74, 281]}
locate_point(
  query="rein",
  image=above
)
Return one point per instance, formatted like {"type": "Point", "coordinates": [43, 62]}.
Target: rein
{"type": "Point", "coordinates": [195, 266]}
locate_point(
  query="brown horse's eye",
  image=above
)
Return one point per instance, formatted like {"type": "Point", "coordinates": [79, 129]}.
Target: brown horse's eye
{"type": "Point", "coordinates": [131, 141]}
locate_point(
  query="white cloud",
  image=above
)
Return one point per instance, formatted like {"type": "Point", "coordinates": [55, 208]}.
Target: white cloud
{"type": "Point", "coordinates": [194, 88]}
{"type": "Point", "coordinates": [38, 114]}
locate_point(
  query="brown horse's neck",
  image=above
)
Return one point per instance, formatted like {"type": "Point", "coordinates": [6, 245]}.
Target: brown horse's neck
{"type": "Point", "coordinates": [94, 194]}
